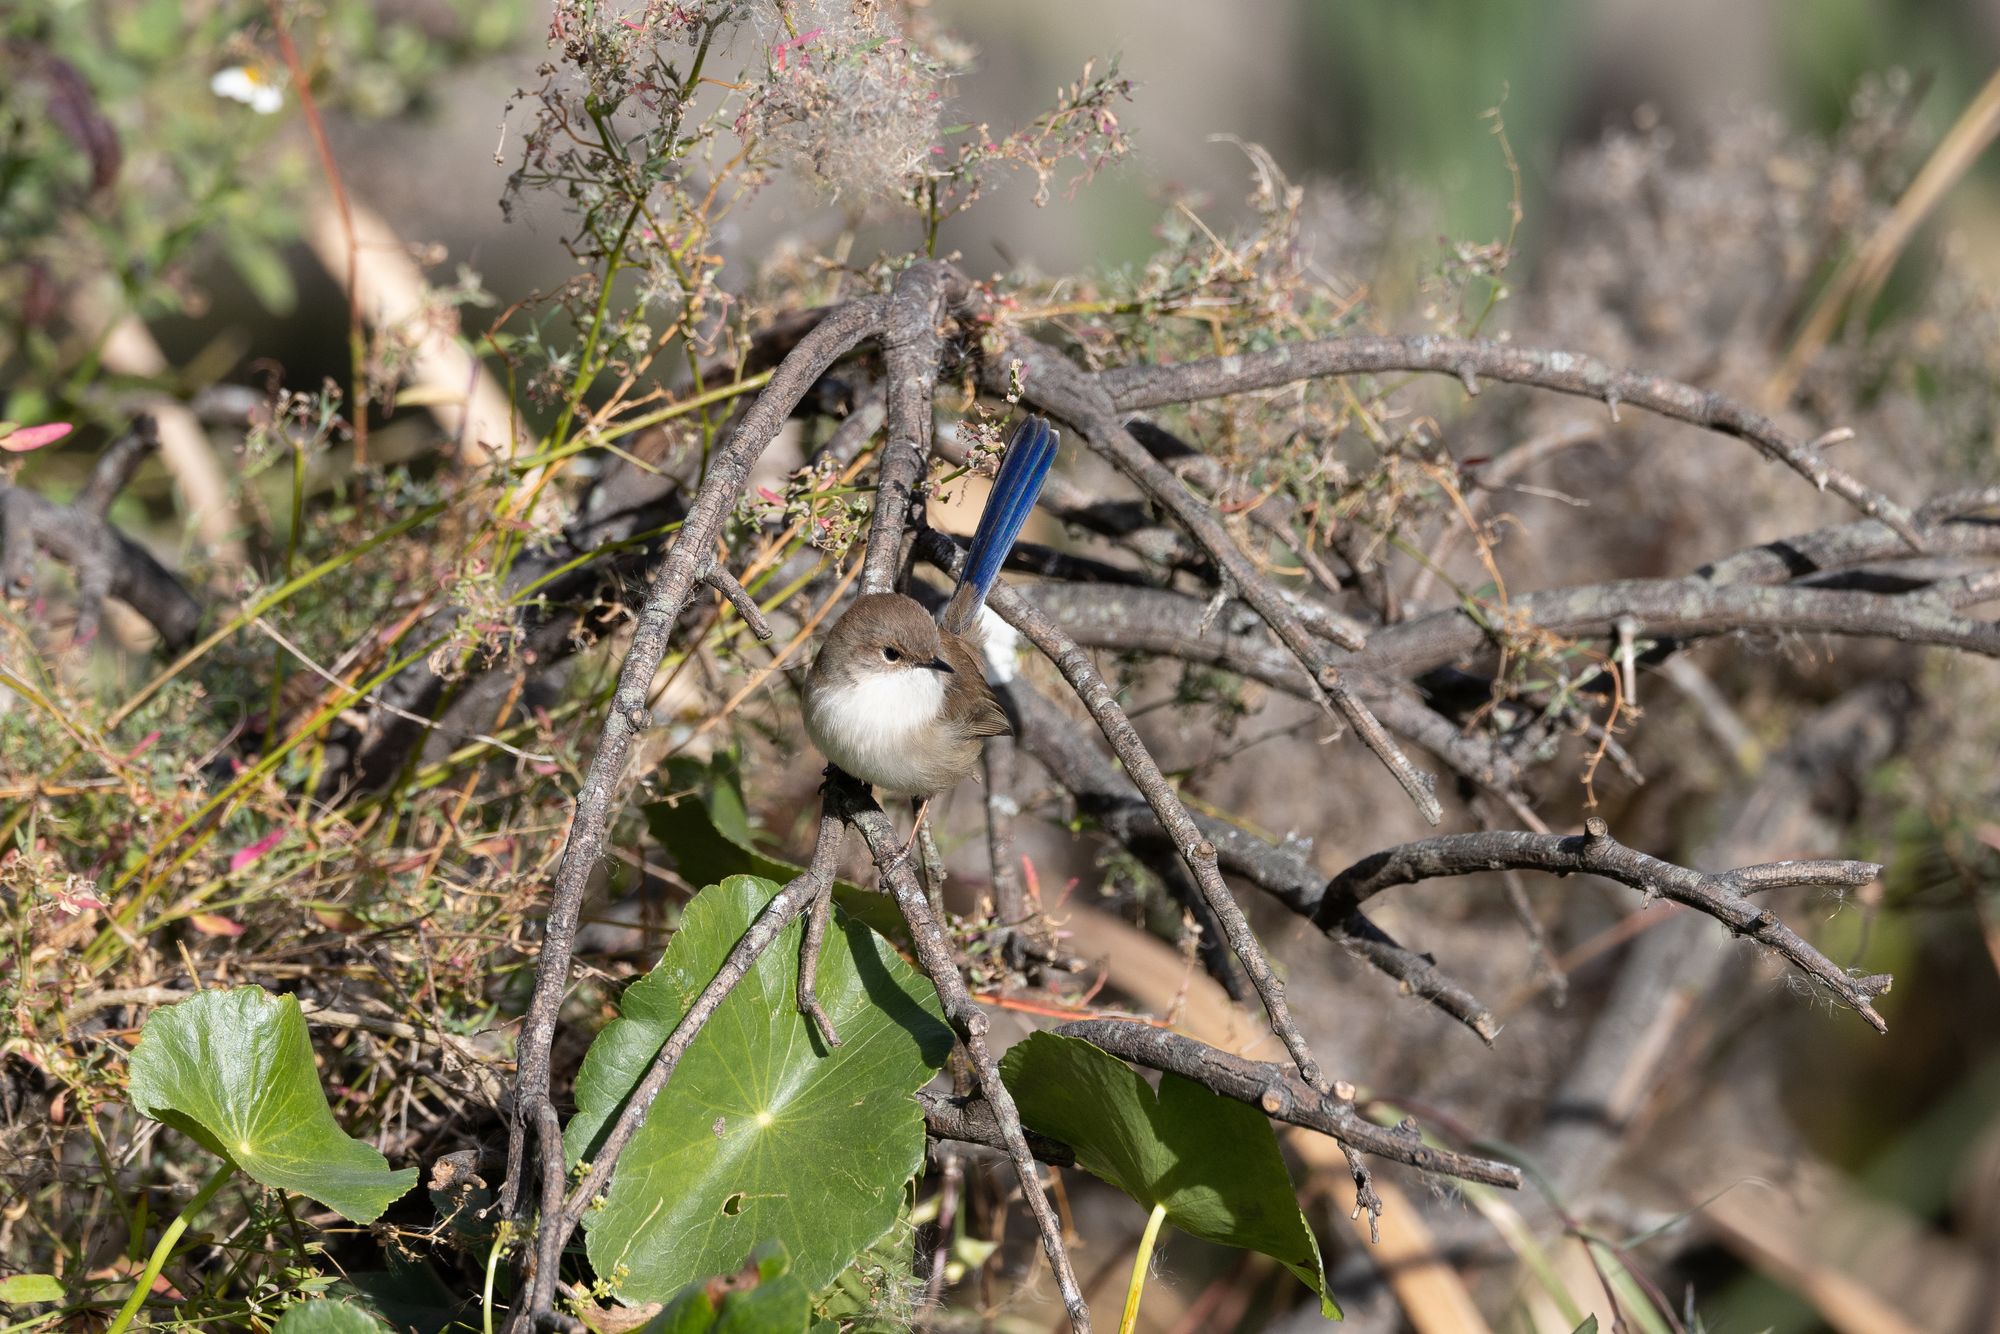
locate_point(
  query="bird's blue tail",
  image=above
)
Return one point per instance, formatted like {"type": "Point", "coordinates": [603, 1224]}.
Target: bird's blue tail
{"type": "Point", "coordinates": [1015, 489]}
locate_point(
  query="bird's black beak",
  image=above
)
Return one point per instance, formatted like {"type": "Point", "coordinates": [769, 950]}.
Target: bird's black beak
{"type": "Point", "coordinates": [938, 665]}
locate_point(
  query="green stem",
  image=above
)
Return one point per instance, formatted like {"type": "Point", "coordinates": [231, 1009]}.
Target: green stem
{"type": "Point", "coordinates": [1140, 1264]}
{"type": "Point", "coordinates": [168, 1240]}
{"type": "Point", "coordinates": [501, 1236]}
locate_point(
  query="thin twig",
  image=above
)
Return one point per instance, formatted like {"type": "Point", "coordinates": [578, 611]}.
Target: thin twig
{"type": "Point", "coordinates": [1472, 359]}
{"type": "Point", "coordinates": [934, 954]}
{"type": "Point", "coordinates": [723, 582]}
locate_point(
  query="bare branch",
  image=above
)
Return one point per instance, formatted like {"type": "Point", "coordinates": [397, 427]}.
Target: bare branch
{"type": "Point", "coordinates": [1595, 852]}
{"type": "Point", "coordinates": [1278, 1091]}
{"type": "Point", "coordinates": [1472, 359]}
{"type": "Point", "coordinates": [911, 348]}
{"type": "Point", "coordinates": [106, 562]}
{"type": "Point", "coordinates": [723, 582]}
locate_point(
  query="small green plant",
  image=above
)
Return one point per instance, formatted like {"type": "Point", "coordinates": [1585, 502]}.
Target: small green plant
{"type": "Point", "coordinates": [234, 1071]}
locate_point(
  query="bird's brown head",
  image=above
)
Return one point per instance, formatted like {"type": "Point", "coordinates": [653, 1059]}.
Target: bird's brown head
{"type": "Point", "coordinates": [882, 633]}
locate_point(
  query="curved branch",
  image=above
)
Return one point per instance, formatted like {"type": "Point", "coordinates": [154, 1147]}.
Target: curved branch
{"type": "Point", "coordinates": [1470, 360]}
{"type": "Point", "coordinates": [106, 562]}
{"type": "Point", "coordinates": [1283, 1096]}
{"type": "Point", "coordinates": [1595, 852]}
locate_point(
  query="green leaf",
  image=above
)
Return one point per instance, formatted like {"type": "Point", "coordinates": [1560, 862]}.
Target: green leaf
{"type": "Point", "coordinates": [24, 1288]}
{"type": "Point", "coordinates": [328, 1317]}
{"type": "Point", "coordinates": [762, 1134]}
{"type": "Point", "coordinates": [1589, 1326]}
{"type": "Point", "coordinates": [1212, 1162]}
{"type": "Point", "coordinates": [234, 1070]}
{"type": "Point", "coordinates": [706, 828]}
{"type": "Point", "coordinates": [762, 1298]}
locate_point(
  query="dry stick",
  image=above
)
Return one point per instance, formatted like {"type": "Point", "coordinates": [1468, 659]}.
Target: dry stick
{"type": "Point", "coordinates": [799, 894]}
{"type": "Point", "coordinates": [1057, 386]}
{"type": "Point", "coordinates": [1686, 609]}
{"type": "Point", "coordinates": [934, 954]}
{"type": "Point", "coordinates": [1105, 792]}
{"type": "Point", "coordinates": [911, 347]}
{"type": "Point", "coordinates": [686, 562]}
{"type": "Point", "coordinates": [106, 563]}
{"type": "Point", "coordinates": [723, 582]}
{"type": "Point", "coordinates": [1279, 1092]}
{"type": "Point", "coordinates": [1473, 359]}
{"type": "Point", "coordinates": [970, 1120]}
{"type": "Point", "coordinates": [1195, 849]}
{"type": "Point", "coordinates": [819, 915]}
{"type": "Point", "coordinates": [1595, 852]}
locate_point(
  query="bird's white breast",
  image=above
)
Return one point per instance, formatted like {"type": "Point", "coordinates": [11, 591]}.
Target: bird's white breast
{"type": "Point", "coordinates": [882, 728]}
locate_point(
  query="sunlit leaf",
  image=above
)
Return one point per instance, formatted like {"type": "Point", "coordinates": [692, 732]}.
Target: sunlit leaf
{"type": "Point", "coordinates": [234, 1069]}
{"type": "Point", "coordinates": [763, 1134]}
{"type": "Point", "coordinates": [25, 1288]}
{"type": "Point", "coordinates": [1212, 1162]}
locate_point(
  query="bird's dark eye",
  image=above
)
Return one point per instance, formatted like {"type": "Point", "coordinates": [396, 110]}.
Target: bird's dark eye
{"type": "Point", "coordinates": [891, 655]}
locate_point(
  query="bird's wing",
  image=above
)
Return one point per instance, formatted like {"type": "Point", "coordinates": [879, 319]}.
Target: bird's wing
{"type": "Point", "coordinates": [967, 698]}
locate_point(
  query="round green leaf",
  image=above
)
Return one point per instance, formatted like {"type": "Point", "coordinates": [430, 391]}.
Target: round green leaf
{"type": "Point", "coordinates": [328, 1317]}
{"type": "Point", "coordinates": [234, 1069]}
{"type": "Point", "coordinates": [762, 1135]}
{"type": "Point", "coordinates": [1211, 1161]}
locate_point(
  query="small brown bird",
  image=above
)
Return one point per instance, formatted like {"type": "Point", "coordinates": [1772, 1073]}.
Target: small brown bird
{"type": "Point", "coordinates": [899, 700]}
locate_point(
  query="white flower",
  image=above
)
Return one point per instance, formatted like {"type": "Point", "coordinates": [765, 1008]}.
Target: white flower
{"type": "Point", "coordinates": [249, 85]}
